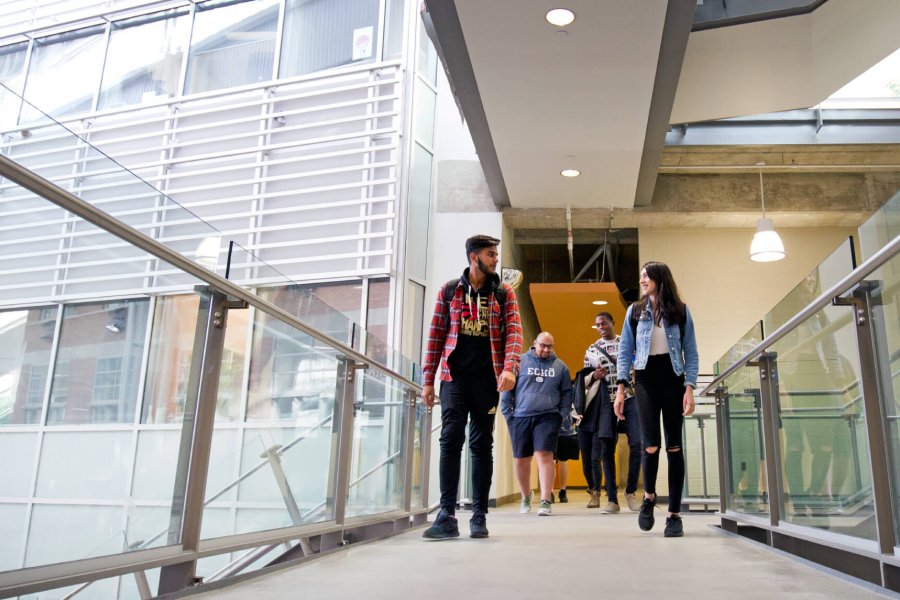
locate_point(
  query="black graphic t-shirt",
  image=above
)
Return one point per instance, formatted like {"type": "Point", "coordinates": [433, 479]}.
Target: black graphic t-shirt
{"type": "Point", "coordinates": [472, 355]}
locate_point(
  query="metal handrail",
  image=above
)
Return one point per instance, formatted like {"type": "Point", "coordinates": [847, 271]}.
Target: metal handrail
{"type": "Point", "coordinates": [878, 259]}
{"type": "Point", "coordinates": [66, 200]}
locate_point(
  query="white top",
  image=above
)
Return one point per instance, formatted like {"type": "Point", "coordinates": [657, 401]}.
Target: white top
{"type": "Point", "coordinates": [658, 342]}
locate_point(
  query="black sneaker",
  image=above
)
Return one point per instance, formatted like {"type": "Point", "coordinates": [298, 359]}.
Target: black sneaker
{"type": "Point", "coordinates": [478, 526]}
{"type": "Point", "coordinates": [645, 517]}
{"type": "Point", "coordinates": [562, 496]}
{"type": "Point", "coordinates": [444, 527]}
{"type": "Point", "coordinates": [674, 527]}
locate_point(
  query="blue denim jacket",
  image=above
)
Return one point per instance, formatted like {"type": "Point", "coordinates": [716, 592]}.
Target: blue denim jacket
{"type": "Point", "coordinates": [683, 353]}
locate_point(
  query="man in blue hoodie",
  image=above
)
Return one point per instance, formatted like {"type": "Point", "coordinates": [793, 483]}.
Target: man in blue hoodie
{"type": "Point", "coordinates": [534, 410]}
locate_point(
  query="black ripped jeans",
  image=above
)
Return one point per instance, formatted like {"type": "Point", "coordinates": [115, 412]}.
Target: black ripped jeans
{"type": "Point", "coordinates": [658, 390]}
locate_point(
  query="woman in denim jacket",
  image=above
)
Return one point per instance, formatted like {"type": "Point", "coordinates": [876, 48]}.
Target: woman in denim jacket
{"type": "Point", "coordinates": [658, 341]}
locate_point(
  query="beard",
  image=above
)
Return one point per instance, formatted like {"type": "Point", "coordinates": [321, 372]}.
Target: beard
{"type": "Point", "coordinates": [485, 268]}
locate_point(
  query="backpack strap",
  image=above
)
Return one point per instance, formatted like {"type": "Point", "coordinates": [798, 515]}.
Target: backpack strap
{"type": "Point", "coordinates": [449, 290]}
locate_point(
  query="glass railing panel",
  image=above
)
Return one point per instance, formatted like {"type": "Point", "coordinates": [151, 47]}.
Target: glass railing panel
{"type": "Point", "coordinates": [87, 481]}
{"type": "Point", "coordinates": [334, 308]}
{"type": "Point", "coordinates": [95, 260]}
{"type": "Point", "coordinates": [886, 327]}
{"type": "Point", "coordinates": [826, 469]}
{"type": "Point", "coordinates": [377, 469]}
{"type": "Point", "coordinates": [417, 456]}
{"type": "Point", "coordinates": [171, 352]}
{"type": "Point", "coordinates": [880, 228]}
{"type": "Point", "coordinates": [287, 458]}
{"type": "Point", "coordinates": [747, 342]}
{"type": "Point", "coordinates": [335, 316]}
{"type": "Point", "coordinates": [834, 268]}
{"type": "Point", "coordinates": [434, 484]}
{"type": "Point", "coordinates": [701, 452]}
{"type": "Point", "coordinates": [748, 486]}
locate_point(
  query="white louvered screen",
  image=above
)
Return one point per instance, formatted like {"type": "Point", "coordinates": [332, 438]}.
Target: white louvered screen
{"type": "Point", "coordinates": [303, 174]}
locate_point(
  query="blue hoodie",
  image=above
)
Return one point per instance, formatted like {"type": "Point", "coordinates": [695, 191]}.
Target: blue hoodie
{"type": "Point", "coordinates": [543, 386]}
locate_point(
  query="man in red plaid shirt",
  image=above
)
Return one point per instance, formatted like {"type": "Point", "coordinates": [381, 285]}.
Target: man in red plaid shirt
{"type": "Point", "coordinates": [475, 340]}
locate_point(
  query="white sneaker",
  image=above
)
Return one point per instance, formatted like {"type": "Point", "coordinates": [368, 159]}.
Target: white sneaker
{"type": "Point", "coordinates": [525, 505]}
{"type": "Point", "coordinates": [544, 510]}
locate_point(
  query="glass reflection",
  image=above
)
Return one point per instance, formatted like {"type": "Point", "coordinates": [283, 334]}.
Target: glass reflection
{"type": "Point", "coordinates": [379, 453]}
{"type": "Point", "coordinates": [290, 377]}
{"type": "Point", "coordinates": [323, 34]}
{"type": "Point", "coordinates": [826, 467]}
{"type": "Point", "coordinates": [64, 73]}
{"type": "Point", "coordinates": [171, 353]}
{"type": "Point", "coordinates": [26, 337]}
{"type": "Point", "coordinates": [232, 44]}
{"type": "Point", "coordinates": [12, 75]}
{"type": "Point", "coordinates": [748, 487]}
{"type": "Point", "coordinates": [144, 58]}
{"type": "Point", "coordinates": [98, 362]}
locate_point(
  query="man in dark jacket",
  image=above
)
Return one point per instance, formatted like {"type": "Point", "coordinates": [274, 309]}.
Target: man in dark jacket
{"type": "Point", "coordinates": [475, 340]}
{"type": "Point", "coordinates": [534, 410]}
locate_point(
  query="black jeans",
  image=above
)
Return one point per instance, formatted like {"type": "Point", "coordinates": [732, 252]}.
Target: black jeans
{"type": "Point", "coordinates": [589, 445]}
{"type": "Point", "coordinates": [473, 400]}
{"type": "Point", "coordinates": [659, 390]}
{"type": "Point", "coordinates": [631, 426]}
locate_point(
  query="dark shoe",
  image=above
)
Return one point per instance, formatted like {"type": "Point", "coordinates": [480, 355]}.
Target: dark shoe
{"type": "Point", "coordinates": [477, 526]}
{"type": "Point", "coordinates": [444, 527]}
{"type": "Point", "coordinates": [674, 527]}
{"type": "Point", "coordinates": [562, 496]}
{"type": "Point", "coordinates": [645, 517]}
{"type": "Point", "coordinates": [552, 498]}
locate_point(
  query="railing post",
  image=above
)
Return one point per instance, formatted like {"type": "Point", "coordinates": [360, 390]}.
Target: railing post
{"type": "Point", "coordinates": [872, 384]}
{"type": "Point", "coordinates": [722, 426]}
{"type": "Point", "coordinates": [342, 437]}
{"type": "Point", "coordinates": [768, 380]}
{"type": "Point", "coordinates": [410, 416]}
{"type": "Point", "coordinates": [196, 438]}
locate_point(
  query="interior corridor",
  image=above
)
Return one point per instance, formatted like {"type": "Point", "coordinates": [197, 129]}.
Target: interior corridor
{"type": "Point", "coordinates": [577, 553]}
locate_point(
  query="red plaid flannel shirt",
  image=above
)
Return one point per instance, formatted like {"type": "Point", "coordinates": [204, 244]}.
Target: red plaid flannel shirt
{"type": "Point", "coordinates": [506, 346]}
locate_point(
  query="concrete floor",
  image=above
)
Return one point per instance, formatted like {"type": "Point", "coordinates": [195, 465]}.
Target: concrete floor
{"type": "Point", "coordinates": [576, 552]}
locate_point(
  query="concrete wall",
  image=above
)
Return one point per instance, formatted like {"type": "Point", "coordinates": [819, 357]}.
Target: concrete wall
{"type": "Point", "coordinates": [726, 291]}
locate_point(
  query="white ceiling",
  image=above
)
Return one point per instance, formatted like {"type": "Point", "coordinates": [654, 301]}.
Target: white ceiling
{"type": "Point", "coordinates": [594, 92]}
{"type": "Point", "coordinates": [548, 95]}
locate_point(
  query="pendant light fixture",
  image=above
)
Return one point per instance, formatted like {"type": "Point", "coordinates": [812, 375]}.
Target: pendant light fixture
{"type": "Point", "coordinates": [766, 245]}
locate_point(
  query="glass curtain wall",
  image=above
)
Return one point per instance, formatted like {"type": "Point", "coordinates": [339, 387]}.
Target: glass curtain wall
{"type": "Point", "coordinates": [12, 75]}
{"type": "Point", "coordinates": [210, 46]}
{"type": "Point", "coordinates": [323, 34]}
{"type": "Point", "coordinates": [232, 44]}
{"type": "Point", "coordinates": [64, 73]}
{"type": "Point", "coordinates": [144, 58]}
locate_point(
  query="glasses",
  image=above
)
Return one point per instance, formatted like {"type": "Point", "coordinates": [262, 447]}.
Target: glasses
{"type": "Point", "coordinates": [545, 345]}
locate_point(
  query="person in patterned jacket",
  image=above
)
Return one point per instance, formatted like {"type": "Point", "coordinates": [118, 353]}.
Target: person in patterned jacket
{"type": "Point", "coordinates": [474, 343]}
{"type": "Point", "coordinates": [602, 355]}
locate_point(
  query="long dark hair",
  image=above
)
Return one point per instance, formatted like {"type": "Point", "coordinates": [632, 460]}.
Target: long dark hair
{"type": "Point", "coordinates": [668, 303]}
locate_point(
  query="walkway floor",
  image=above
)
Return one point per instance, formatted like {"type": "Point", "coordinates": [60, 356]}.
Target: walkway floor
{"type": "Point", "coordinates": [577, 553]}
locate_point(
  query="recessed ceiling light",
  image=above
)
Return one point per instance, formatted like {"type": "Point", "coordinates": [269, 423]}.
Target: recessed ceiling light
{"type": "Point", "coordinates": [599, 302]}
{"type": "Point", "coordinates": [570, 172]}
{"type": "Point", "coordinates": [560, 17]}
